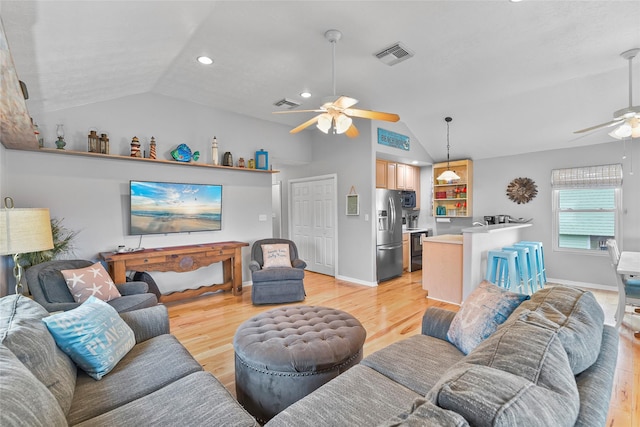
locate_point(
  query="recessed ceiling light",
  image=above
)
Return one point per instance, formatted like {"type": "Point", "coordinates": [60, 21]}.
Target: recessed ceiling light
{"type": "Point", "coordinates": [415, 162]}
{"type": "Point", "coordinates": [515, 1]}
{"type": "Point", "coordinates": [205, 60]}
{"type": "Point", "coordinates": [305, 94]}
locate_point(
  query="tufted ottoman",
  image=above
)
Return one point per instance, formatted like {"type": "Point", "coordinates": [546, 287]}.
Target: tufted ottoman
{"type": "Point", "coordinates": [285, 353]}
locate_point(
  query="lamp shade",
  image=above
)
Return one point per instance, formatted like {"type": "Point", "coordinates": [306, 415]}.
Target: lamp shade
{"type": "Point", "coordinates": [25, 230]}
{"type": "Point", "coordinates": [448, 175]}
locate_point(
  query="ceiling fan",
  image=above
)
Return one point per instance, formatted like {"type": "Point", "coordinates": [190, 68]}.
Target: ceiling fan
{"type": "Point", "coordinates": [628, 118]}
{"type": "Point", "coordinates": [336, 113]}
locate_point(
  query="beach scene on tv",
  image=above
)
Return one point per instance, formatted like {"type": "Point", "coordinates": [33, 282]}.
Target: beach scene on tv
{"type": "Point", "coordinates": [164, 207]}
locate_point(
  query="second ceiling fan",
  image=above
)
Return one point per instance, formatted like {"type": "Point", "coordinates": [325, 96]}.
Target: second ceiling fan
{"type": "Point", "coordinates": [336, 113]}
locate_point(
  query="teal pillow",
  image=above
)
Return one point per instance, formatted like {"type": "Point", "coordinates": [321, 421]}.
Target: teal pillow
{"type": "Point", "coordinates": [93, 335]}
{"type": "Point", "coordinates": [481, 313]}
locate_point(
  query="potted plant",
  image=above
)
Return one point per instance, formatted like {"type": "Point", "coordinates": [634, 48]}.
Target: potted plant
{"type": "Point", "coordinates": [62, 243]}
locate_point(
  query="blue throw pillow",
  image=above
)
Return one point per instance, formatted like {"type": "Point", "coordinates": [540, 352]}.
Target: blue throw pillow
{"type": "Point", "coordinates": [481, 313]}
{"type": "Point", "coordinates": [93, 335]}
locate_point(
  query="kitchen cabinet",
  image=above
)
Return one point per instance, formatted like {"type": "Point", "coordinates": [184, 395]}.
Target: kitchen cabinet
{"type": "Point", "coordinates": [381, 173]}
{"type": "Point", "coordinates": [453, 199]}
{"type": "Point", "coordinates": [397, 176]}
{"type": "Point", "coordinates": [406, 251]}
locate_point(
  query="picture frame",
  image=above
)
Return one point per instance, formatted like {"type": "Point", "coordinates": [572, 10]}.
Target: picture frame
{"type": "Point", "coordinates": [353, 204]}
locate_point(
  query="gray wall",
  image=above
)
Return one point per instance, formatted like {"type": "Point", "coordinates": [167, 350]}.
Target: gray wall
{"type": "Point", "coordinates": [491, 177]}
{"type": "Point", "coordinates": [92, 194]}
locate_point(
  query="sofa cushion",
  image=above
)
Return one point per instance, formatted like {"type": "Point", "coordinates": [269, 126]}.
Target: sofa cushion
{"type": "Point", "coordinates": [51, 280]}
{"type": "Point", "coordinates": [486, 308]}
{"type": "Point", "coordinates": [148, 367]}
{"type": "Point", "coordinates": [90, 281]}
{"type": "Point", "coordinates": [577, 317]}
{"type": "Point", "coordinates": [276, 255]}
{"type": "Point", "coordinates": [425, 414]}
{"type": "Point", "coordinates": [424, 359]}
{"type": "Point", "coordinates": [22, 332]}
{"type": "Point", "coordinates": [358, 397]}
{"type": "Point", "coordinates": [93, 335]}
{"type": "Point", "coordinates": [208, 403]}
{"type": "Point", "coordinates": [277, 273]}
{"type": "Point", "coordinates": [518, 376]}
{"type": "Point", "coordinates": [24, 400]}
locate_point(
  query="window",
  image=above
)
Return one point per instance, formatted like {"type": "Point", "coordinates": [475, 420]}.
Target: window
{"type": "Point", "coordinates": [586, 207]}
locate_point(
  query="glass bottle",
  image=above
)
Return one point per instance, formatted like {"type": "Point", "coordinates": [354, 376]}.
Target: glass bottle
{"type": "Point", "coordinates": [60, 143]}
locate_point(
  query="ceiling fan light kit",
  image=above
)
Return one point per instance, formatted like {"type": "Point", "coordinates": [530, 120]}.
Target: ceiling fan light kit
{"type": "Point", "coordinates": [448, 175]}
{"type": "Point", "coordinates": [336, 112]}
{"type": "Point", "coordinates": [627, 119]}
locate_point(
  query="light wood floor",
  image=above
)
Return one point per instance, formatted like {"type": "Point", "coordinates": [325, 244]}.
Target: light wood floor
{"type": "Point", "coordinates": [389, 312]}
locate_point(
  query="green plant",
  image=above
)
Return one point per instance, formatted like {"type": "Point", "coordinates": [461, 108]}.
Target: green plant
{"type": "Point", "coordinates": [62, 243]}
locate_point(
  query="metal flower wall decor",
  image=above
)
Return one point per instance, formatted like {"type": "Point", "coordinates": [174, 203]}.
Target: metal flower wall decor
{"type": "Point", "coordinates": [522, 190]}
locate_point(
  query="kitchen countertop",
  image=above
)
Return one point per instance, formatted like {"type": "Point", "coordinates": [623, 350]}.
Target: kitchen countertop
{"type": "Point", "coordinates": [454, 239]}
{"type": "Point", "coordinates": [495, 228]}
{"type": "Point", "coordinates": [415, 230]}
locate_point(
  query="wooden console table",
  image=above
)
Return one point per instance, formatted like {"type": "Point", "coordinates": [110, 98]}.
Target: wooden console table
{"type": "Point", "coordinates": [181, 259]}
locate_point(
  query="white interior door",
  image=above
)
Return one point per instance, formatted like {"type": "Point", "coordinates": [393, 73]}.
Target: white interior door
{"type": "Point", "coordinates": [313, 222]}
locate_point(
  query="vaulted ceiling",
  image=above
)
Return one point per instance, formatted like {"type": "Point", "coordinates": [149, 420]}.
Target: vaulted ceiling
{"type": "Point", "coordinates": [516, 77]}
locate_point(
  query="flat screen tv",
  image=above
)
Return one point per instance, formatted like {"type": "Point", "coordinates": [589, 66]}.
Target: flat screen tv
{"type": "Point", "coordinates": [170, 207]}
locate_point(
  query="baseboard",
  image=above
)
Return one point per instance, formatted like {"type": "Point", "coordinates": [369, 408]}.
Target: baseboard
{"type": "Point", "coordinates": [357, 281]}
{"type": "Point", "coordinates": [581, 285]}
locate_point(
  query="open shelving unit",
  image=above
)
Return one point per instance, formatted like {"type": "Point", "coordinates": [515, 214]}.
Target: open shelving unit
{"type": "Point", "coordinates": [455, 199]}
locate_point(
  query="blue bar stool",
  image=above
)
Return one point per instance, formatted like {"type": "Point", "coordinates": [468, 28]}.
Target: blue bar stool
{"type": "Point", "coordinates": [502, 268]}
{"type": "Point", "coordinates": [540, 271]}
{"type": "Point", "coordinates": [526, 263]}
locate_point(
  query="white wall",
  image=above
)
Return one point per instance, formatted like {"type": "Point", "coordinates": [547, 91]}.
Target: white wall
{"type": "Point", "coordinates": [4, 261]}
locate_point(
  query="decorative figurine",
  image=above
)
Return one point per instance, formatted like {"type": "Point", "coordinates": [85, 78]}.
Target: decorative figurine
{"type": "Point", "coordinates": [241, 162]}
{"type": "Point", "coordinates": [60, 143]}
{"type": "Point", "coordinates": [182, 153]}
{"type": "Point", "coordinates": [135, 147]}
{"type": "Point", "coordinates": [215, 159]}
{"type": "Point", "coordinates": [152, 148]}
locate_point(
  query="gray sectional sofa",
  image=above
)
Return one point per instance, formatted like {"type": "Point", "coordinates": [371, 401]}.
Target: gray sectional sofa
{"type": "Point", "coordinates": [551, 363]}
{"type": "Point", "coordinates": [157, 383]}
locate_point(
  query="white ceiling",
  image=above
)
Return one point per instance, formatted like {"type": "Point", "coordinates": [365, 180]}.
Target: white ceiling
{"type": "Point", "coordinates": [515, 77]}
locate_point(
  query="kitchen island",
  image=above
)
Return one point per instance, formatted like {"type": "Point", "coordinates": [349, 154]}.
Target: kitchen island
{"type": "Point", "coordinates": [476, 242]}
{"type": "Point", "coordinates": [442, 267]}
{"type": "Point", "coordinates": [453, 265]}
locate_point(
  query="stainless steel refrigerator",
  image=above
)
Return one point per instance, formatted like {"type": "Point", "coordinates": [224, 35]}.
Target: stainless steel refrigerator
{"type": "Point", "coordinates": [389, 235]}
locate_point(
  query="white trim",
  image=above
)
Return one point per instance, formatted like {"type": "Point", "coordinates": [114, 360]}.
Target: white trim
{"type": "Point", "coordinates": [357, 281]}
{"type": "Point", "coordinates": [582, 285]}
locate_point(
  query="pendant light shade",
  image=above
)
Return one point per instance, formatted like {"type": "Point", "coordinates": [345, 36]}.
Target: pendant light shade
{"type": "Point", "coordinates": [448, 175]}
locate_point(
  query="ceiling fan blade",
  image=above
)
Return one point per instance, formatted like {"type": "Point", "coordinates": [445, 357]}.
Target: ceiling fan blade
{"type": "Point", "coordinates": [305, 124]}
{"type": "Point", "coordinates": [375, 115]}
{"type": "Point", "coordinates": [352, 132]}
{"type": "Point", "coordinates": [299, 111]}
{"type": "Point", "coordinates": [611, 123]}
{"type": "Point", "coordinates": [345, 102]}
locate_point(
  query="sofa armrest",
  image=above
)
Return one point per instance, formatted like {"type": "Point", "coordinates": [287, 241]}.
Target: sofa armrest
{"type": "Point", "coordinates": [133, 288]}
{"type": "Point", "coordinates": [436, 322]}
{"type": "Point", "coordinates": [147, 322]}
{"type": "Point", "coordinates": [298, 263]}
{"type": "Point", "coordinates": [254, 266]}
{"type": "Point", "coordinates": [596, 383]}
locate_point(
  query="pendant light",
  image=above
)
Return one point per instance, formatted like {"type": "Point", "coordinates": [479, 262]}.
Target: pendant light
{"type": "Point", "coordinates": [448, 175]}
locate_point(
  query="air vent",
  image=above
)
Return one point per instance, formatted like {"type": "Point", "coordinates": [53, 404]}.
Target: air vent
{"type": "Point", "coordinates": [286, 104]}
{"type": "Point", "coordinates": [394, 54]}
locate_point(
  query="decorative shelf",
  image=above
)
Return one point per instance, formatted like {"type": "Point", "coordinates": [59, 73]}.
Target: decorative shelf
{"type": "Point", "coordinates": [144, 159]}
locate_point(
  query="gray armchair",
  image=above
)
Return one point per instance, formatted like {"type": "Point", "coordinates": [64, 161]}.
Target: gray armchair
{"type": "Point", "coordinates": [49, 289]}
{"type": "Point", "coordinates": [279, 284]}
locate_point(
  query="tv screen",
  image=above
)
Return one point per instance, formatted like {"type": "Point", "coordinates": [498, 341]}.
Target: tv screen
{"type": "Point", "coordinates": [169, 207]}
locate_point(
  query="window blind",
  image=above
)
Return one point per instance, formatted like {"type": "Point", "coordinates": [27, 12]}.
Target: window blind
{"type": "Point", "coordinates": [602, 176]}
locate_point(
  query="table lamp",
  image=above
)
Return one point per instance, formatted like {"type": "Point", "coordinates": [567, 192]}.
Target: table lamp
{"type": "Point", "coordinates": [23, 231]}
